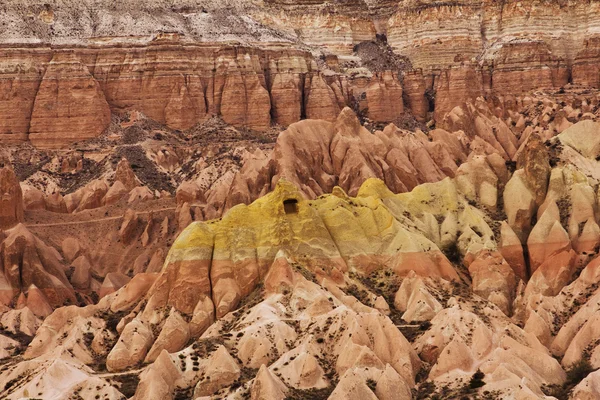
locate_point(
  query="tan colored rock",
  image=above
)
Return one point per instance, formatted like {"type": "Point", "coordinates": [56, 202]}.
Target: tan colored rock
{"type": "Point", "coordinates": [286, 98]}
{"type": "Point", "coordinates": [553, 274]}
{"type": "Point", "coordinates": [156, 261]}
{"type": "Point", "coordinates": [320, 100]}
{"type": "Point", "coordinates": [512, 250]}
{"type": "Point", "coordinates": [56, 203]}
{"type": "Point", "coordinates": [583, 137]}
{"type": "Point", "coordinates": [33, 199]}
{"type": "Point", "coordinates": [186, 106]}
{"type": "Point", "coordinates": [585, 340]}
{"type": "Point", "coordinates": [92, 195]}
{"type": "Point", "coordinates": [71, 248]}
{"type": "Point", "coordinates": [188, 192]}
{"type": "Point", "coordinates": [128, 226]}
{"type": "Point", "coordinates": [519, 204]}
{"type": "Point", "coordinates": [37, 302]}
{"type": "Point", "coordinates": [139, 194]}
{"type": "Point", "coordinates": [183, 216]}
{"type": "Point", "coordinates": [352, 386]}
{"type": "Point", "coordinates": [245, 102]}
{"type": "Point", "coordinates": [493, 279]}
{"type": "Point", "coordinates": [266, 385]}
{"type": "Point", "coordinates": [203, 316]}
{"type": "Point", "coordinates": [414, 87]}
{"type": "Point", "coordinates": [173, 336]}
{"type": "Point", "coordinates": [477, 182]}
{"type": "Point", "coordinates": [588, 388]}
{"type": "Point", "coordinates": [548, 237]}
{"type": "Point", "coordinates": [158, 381]}
{"type": "Point", "coordinates": [280, 276]}
{"type": "Point", "coordinates": [413, 298]}
{"type": "Point", "coordinates": [113, 282]}
{"type": "Point", "coordinates": [222, 369]}
{"type": "Point", "coordinates": [27, 260]}
{"type": "Point", "coordinates": [116, 192]}
{"type": "Point", "coordinates": [390, 385]}
{"type": "Point", "coordinates": [456, 86]}
{"type": "Point", "coordinates": [132, 292]}
{"type": "Point", "coordinates": [534, 161]}
{"type": "Point", "coordinates": [131, 347]}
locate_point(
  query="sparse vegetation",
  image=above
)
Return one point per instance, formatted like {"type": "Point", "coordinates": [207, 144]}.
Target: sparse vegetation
{"type": "Point", "coordinates": [575, 374]}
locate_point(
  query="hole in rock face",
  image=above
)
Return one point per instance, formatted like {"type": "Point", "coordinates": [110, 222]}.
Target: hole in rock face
{"type": "Point", "coordinates": [290, 206]}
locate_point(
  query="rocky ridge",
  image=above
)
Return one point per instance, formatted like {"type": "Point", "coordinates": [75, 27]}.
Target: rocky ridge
{"type": "Point", "coordinates": [509, 248]}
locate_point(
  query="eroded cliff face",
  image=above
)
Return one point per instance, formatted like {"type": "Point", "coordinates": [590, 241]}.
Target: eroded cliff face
{"type": "Point", "coordinates": [261, 63]}
{"type": "Point", "coordinates": [67, 94]}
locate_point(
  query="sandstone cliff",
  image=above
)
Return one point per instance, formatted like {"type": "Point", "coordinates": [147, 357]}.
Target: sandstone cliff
{"type": "Point", "coordinates": [180, 74]}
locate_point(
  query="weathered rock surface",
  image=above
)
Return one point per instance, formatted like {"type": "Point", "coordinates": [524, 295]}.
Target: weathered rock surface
{"type": "Point", "coordinates": [11, 200]}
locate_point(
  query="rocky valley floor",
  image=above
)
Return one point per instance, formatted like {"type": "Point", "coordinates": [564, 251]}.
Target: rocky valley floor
{"type": "Point", "coordinates": [325, 261]}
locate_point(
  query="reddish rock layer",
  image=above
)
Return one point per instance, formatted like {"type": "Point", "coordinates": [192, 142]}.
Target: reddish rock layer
{"type": "Point", "coordinates": [11, 199]}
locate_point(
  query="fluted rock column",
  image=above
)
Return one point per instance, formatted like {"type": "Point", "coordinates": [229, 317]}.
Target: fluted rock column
{"type": "Point", "coordinates": [11, 199]}
{"type": "Point", "coordinates": [69, 106]}
{"type": "Point", "coordinates": [384, 97]}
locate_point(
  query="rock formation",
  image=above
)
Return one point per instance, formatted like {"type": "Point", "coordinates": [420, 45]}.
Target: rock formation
{"type": "Point", "coordinates": [11, 200]}
{"type": "Point", "coordinates": [299, 199]}
{"type": "Point", "coordinates": [69, 104]}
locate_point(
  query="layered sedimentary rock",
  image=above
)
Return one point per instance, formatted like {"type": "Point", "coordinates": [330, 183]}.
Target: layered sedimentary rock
{"type": "Point", "coordinates": [585, 66]}
{"type": "Point", "coordinates": [414, 88]}
{"type": "Point", "coordinates": [436, 34]}
{"type": "Point", "coordinates": [456, 86]}
{"type": "Point", "coordinates": [69, 105]}
{"type": "Point", "coordinates": [181, 255]}
{"type": "Point", "coordinates": [178, 85]}
{"type": "Point", "coordinates": [384, 98]}
{"type": "Point", "coordinates": [184, 73]}
{"type": "Point", "coordinates": [318, 155]}
{"type": "Point", "coordinates": [350, 292]}
{"type": "Point", "coordinates": [524, 66]}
